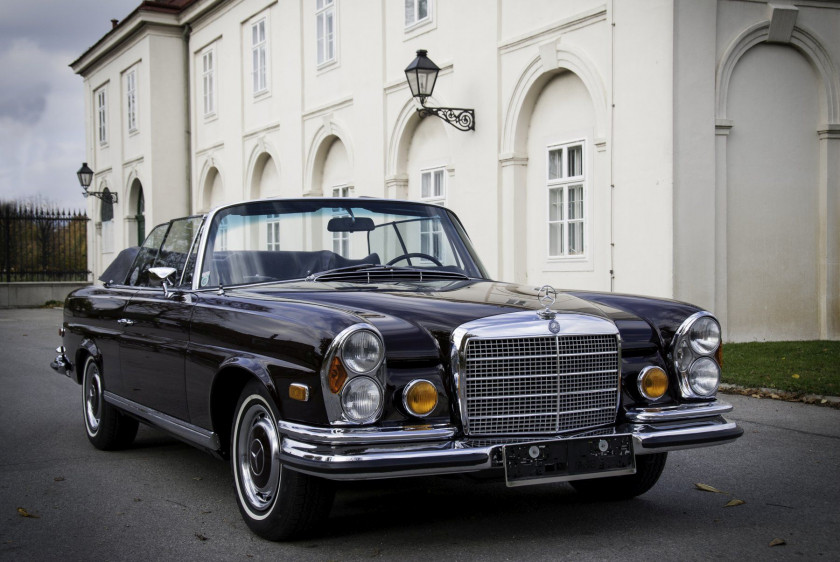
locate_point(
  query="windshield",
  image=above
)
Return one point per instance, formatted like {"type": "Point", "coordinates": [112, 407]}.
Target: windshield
{"type": "Point", "coordinates": [266, 241]}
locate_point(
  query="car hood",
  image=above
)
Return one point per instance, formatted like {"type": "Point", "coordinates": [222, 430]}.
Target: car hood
{"type": "Point", "coordinates": [417, 319]}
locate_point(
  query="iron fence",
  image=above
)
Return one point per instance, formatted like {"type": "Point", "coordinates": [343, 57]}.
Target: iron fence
{"type": "Point", "coordinates": [41, 244]}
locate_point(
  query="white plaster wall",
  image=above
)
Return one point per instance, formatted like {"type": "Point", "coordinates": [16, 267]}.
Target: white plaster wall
{"type": "Point", "coordinates": [643, 142]}
{"type": "Point", "coordinates": [695, 228]}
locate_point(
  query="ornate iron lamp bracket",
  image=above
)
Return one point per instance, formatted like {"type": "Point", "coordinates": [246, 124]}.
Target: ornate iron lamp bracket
{"type": "Point", "coordinates": [109, 197]}
{"type": "Point", "coordinates": [461, 119]}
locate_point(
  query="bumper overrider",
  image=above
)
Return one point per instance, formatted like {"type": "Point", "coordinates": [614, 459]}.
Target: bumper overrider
{"type": "Point", "coordinates": [371, 453]}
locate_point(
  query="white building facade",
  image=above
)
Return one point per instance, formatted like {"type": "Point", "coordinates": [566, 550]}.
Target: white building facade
{"type": "Point", "coordinates": [686, 149]}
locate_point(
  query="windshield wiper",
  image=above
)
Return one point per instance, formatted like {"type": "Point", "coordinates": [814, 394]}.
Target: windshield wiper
{"type": "Point", "coordinates": [370, 273]}
{"type": "Point", "coordinates": [347, 269]}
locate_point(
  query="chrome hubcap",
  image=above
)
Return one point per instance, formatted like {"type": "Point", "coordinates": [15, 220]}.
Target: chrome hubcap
{"type": "Point", "coordinates": [258, 446]}
{"type": "Point", "coordinates": [93, 397]}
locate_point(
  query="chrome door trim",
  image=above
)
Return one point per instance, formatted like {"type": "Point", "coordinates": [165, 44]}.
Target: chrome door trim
{"type": "Point", "coordinates": [181, 429]}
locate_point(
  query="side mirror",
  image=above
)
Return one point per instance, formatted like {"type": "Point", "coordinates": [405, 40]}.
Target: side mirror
{"type": "Point", "coordinates": [164, 275]}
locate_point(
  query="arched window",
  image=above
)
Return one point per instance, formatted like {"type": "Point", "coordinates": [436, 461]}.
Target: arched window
{"type": "Point", "coordinates": [106, 215]}
{"type": "Point", "coordinates": [140, 216]}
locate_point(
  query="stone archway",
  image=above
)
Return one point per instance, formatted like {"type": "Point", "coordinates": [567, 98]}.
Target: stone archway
{"type": "Point", "coordinates": [779, 220]}
{"type": "Point", "coordinates": [553, 62]}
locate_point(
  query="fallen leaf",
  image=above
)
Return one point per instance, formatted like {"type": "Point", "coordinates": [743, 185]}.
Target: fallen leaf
{"type": "Point", "coordinates": [774, 396]}
{"type": "Point", "coordinates": [23, 513]}
{"type": "Point", "coordinates": [755, 395]}
{"type": "Point", "coordinates": [778, 542]}
{"type": "Point", "coordinates": [733, 503]}
{"type": "Point", "coordinates": [59, 479]}
{"type": "Point", "coordinates": [137, 499]}
{"type": "Point", "coordinates": [200, 537]}
{"type": "Point", "coordinates": [197, 478]}
{"type": "Point", "coordinates": [707, 488]}
{"type": "Point", "coordinates": [795, 376]}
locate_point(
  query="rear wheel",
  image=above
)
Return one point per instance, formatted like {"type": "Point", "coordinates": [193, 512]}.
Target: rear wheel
{"type": "Point", "coordinates": [277, 503]}
{"type": "Point", "coordinates": [107, 428]}
{"type": "Point", "coordinates": [648, 470]}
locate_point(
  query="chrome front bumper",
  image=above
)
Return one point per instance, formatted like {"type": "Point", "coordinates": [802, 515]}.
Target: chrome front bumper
{"type": "Point", "coordinates": [371, 453]}
{"type": "Point", "coordinates": [61, 364]}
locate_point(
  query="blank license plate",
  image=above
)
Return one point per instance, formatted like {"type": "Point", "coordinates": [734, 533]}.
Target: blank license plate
{"type": "Point", "coordinates": [570, 459]}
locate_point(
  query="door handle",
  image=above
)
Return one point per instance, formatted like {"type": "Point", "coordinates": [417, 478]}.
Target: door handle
{"type": "Point", "coordinates": [125, 322]}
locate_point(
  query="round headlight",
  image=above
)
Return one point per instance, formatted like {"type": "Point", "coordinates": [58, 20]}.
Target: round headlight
{"type": "Point", "coordinates": [704, 335]}
{"type": "Point", "coordinates": [704, 376]}
{"type": "Point", "coordinates": [361, 399]}
{"type": "Point", "coordinates": [420, 397]}
{"type": "Point", "coordinates": [362, 352]}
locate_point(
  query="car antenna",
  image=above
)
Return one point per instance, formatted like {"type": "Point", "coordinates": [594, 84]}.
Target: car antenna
{"type": "Point", "coordinates": [221, 291]}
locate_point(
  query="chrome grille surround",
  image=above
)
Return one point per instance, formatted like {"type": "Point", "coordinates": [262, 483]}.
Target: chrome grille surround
{"type": "Point", "coordinates": [513, 376]}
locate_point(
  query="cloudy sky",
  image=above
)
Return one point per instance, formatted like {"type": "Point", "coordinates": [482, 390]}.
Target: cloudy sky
{"type": "Point", "coordinates": [41, 99]}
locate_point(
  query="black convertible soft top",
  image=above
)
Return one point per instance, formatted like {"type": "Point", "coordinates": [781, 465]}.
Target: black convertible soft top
{"type": "Point", "coordinates": [118, 270]}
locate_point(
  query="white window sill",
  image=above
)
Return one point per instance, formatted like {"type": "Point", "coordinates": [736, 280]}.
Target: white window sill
{"type": "Point", "coordinates": [419, 28]}
{"type": "Point", "coordinates": [326, 66]}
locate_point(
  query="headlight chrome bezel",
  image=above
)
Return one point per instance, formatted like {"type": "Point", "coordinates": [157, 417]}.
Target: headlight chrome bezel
{"type": "Point", "coordinates": [334, 399]}
{"type": "Point", "coordinates": [686, 353]}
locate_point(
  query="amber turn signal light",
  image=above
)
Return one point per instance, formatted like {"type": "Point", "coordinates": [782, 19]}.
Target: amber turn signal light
{"type": "Point", "coordinates": [337, 376]}
{"type": "Point", "coordinates": [420, 398]}
{"type": "Point", "coordinates": [299, 392]}
{"type": "Point", "coordinates": [653, 383]}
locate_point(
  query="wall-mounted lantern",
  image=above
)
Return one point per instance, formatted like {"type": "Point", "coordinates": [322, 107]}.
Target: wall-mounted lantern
{"type": "Point", "coordinates": [422, 74]}
{"type": "Point", "coordinates": [85, 176]}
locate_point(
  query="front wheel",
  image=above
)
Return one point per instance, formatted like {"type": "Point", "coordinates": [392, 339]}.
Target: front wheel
{"type": "Point", "coordinates": [277, 503]}
{"type": "Point", "coordinates": [648, 470]}
{"type": "Point", "coordinates": [107, 428]}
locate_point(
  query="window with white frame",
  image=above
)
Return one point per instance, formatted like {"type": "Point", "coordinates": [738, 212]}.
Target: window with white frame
{"type": "Point", "coordinates": [417, 11]}
{"type": "Point", "coordinates": [432, 190]}
{"type": "Point", "coordinates": [272, 224]}
{"type": "Point", "coordinates": [566, 210]}
{"type": "Point", "coordinates": [131, 100]}
{"type": "Point", "coordinates": [208, 81]}
{"type": "Point", "coordinates": [341, 240]}
{"type": "Point", "coordinates": [259, 55]}
{"type": "Point", "coordinates": [102, 116]}
{"type": "Point", "coordinates": [433, 185]}
{"type": "Point", "coordinates": [325, 23]}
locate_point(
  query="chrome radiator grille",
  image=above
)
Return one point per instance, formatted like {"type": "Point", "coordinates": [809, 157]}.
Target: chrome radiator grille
{"type": "Point", "coordinates": [539, 385]}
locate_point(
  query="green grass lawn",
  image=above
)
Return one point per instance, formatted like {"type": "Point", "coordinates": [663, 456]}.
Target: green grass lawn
{"type": "Point", "coordinates": [807, 367]}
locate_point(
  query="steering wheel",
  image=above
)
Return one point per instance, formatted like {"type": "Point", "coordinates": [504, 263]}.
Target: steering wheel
{"type": "Point", "coordinates": [408, 257]}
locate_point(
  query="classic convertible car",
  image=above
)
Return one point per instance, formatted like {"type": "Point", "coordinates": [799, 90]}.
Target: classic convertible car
{"type": "Point", "coordinates": [314, 340]}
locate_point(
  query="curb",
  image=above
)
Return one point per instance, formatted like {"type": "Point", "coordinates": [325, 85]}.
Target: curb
{"type": "Point", "coordinates": [775, 394]}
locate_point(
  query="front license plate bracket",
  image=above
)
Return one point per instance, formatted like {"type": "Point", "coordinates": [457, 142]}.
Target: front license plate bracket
{"type": "Point", "coordinates": [568, 459]}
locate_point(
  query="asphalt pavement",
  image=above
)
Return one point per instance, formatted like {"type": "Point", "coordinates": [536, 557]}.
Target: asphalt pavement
{"type": "Point", "coordinates": [162, 499]}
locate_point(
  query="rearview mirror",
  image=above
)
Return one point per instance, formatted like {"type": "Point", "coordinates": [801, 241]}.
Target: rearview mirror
{"type": "Point", "coordinates": [350, 224]}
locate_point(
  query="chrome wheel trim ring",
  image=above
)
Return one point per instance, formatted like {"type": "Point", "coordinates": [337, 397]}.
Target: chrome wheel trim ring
{"type": "Point", "coordinates": [257, 452]}
{"type": "Point", "coordinates": [92, 396]}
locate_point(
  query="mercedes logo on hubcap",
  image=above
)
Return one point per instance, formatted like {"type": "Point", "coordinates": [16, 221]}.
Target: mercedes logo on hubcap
{"type": "Point", "coordinates": [257, 454]}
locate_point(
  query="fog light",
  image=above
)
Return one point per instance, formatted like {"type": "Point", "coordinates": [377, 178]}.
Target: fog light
{"type": "Point", "coordinates": [361, 399]}
{"type": "Point", "coordinates": [653, 383]}
{"type": "Point", "coordinates": [420, 398]}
